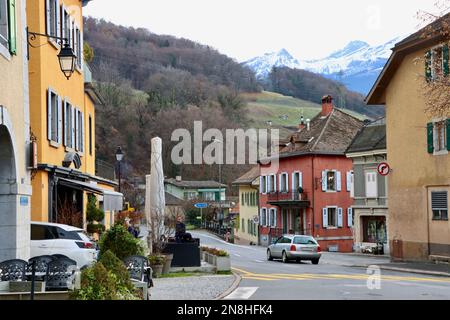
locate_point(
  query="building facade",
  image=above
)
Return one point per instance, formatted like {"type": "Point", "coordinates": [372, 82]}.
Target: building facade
{"type": "Point", "coordinates": [418, 147]}
{"type": "Point", "coordinates": [369, 188]}
{"type": "Point", "coordinates": [308, 190]}
{"type": "Point", "coordinates": [247, 220]}
{"type": "Point", "coordinates": [15, 149]}
{"type": "Point", "coordinates": [63, 118]}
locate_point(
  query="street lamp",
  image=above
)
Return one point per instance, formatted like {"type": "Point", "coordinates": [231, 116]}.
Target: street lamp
{"type": "Point", "coordinates": [220, 184]}
{"type": "Point", "coordinates": [66, 56]}
{"type": "Point", "coordinates": [119, 158]}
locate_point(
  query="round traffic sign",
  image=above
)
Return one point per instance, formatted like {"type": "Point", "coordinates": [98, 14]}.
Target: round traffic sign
{"type": "Point", "coordinates": [201, 205]}
{"type": "Point", "coordinates": [383, 169]}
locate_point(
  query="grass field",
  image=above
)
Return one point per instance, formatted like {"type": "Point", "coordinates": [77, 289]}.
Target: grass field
{"type": "Point", "coordinates": [283, 111]}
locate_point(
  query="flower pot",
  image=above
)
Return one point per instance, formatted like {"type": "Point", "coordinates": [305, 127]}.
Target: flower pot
{"type": "Point", "coordinates": [167, 263]}
{"type": "Point", "coordinates": [157, 270]}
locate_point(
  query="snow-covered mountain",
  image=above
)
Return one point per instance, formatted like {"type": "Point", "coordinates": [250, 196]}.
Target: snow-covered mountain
{"type": "Point", "coordinates": [357, 65]}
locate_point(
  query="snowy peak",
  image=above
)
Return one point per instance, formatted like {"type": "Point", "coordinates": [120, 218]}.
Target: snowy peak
{"type": "Point", "coordinates": [263, 65]}
{"type": "Point", "coordinates": [349, 49]}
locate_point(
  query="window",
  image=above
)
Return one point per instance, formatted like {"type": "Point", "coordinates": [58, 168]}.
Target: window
{"type": "Point", "coordinates": [296, 181]}
{"type": "Point", "coordinates": [66, 25]}
{"type": "Point", "coordinates": [332, 217]}
{"type": "Point", "coordinates": [304, 240]}
{"type": "Point", "coordinates": [331, 181]}
{"type": "Point", "coordinates": [273, 218]}
{"type": "Point", "coordinates": [284, 182]}
{"type": "Point", "coordinates": [371, 185]}
{"type": "Point", "coordinates": [41, 232]}
{"type": "Point", "coordinates": [79, 130]}
{"type": "Point", "coordinates": [263, 217]}
{"type": "Point", "coordinates": [243, 225]}
{"type": "Point", "coordinates": [209, 196]}
{"type": "Point", "coordinates": [53, 22]}
{"type": "Point", "coordinates": [439, 205]}
{"type": "Point", "coordinates": [272, 182]}
{"type": "Point", "coordinates": [437, 62]}
{"type": "Point", "coordinates": [78, 47]}
{"type": "Point", "coordinates": [54, 117]}
{"type": "Point", "coordinates": [68, 124]}
{"type": "Point", "coordinates": [263, 184]}
{"type": "Point", "coordinates": [438, 136]}
{"type": "Point", "coordinates": [332, 221]}
{"type": "Point", "coordinates": [8, 28]}
{"type": "Point", "coordinates": [190, 195]}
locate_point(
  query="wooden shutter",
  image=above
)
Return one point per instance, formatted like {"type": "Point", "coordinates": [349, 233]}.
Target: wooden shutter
{"type": "Point", "coordinates": [428, 65]}
{"type": "Point", "coordinates": [58, 21]}
{"type": "Point", "coordinates": [12, 28]}
{"type": "Point", "coordinates": [274, 183]}
{"type": "Point", "coordinates": [83, 135]}
{"type": "Point", "coordinates": [300, 179]}
{"type": "Point", "coordinates": [324, 180]}
{"type": "Point", "coordinates": [448, 134]}
{"type": "Point", "coordinates": [286, 182]}
{"type": "Point", "coordinates": [340, 220]}
{"type": "Point", "coordinates": [48, 20]}
{"type": "Point", "coordinates": [261, 188]}
{"type": "Point", "coordinates": [350, 217]}
{"type": "Point", "coordinates": [338, 181]}
{"type": "Point", "coordinates": [325, 218]}
{"type": "Point", "coordinates": [430, 139]}
{"type": "Point", "coordinates": [274, 218]}
{"type": "Point", "coordinates": [349, 181]}
{"type": "Point", "coordinates": [49, 114]}
{"type": "Point", "coordinates": [371, 185]}
{"type": "Point", "coordinates": [294, 187]}
{"type": "Point", "coordinates": [445, 59]}
{"type": "Point", "coordinates": [66, 124]}
{"type": "Point", "coordinates": [269, 221]}
{"type": "Point", "coordinates": [280, 181]}
{"type": "Point", "coordinates": [73, 127]}
{"type": "Point", "coordinates": [60, 122]}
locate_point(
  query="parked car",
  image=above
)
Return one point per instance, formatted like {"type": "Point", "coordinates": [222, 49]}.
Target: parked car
{"type": "Point", "coordinates": [295, 247]}
{"type": "Point", "coordinates": [53, 238]}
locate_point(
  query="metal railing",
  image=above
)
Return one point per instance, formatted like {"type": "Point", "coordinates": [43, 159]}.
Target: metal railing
{"type": "Point", "coordinates": [287, 196]}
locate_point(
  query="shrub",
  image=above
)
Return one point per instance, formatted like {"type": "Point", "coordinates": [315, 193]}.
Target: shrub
{"type": "Point", "coordinates": [156, 260]}
{"type": "Point", "coordinates": [92, 212]}
{"type": "Point", "coordinates": [216, 252]}
{"type": "Point", "coordinates": [95, 228]}
{"type": "Point", "coordinates": [113, 264]}
{"type": "Point", "coordinates": [120, 242]}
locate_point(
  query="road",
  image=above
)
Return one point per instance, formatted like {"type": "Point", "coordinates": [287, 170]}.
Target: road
{"type": "Point", "coordinates": [336, 277]}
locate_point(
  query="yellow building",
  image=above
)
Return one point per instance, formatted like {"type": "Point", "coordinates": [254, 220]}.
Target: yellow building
{"type": "Point", "coordinates": [63, 118]}
{"type": "Point", "coordinates": [247, 226]}
{"type": "Point", "coordinates": [417, 149]}
{"type": "Point", "coordinates": [15, 185]}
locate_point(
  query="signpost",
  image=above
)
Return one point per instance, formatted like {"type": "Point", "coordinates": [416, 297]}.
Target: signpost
{"type": "Point", "coordinates": [201, 206]}
{"type": "Point", "coordinates": [383, 169]}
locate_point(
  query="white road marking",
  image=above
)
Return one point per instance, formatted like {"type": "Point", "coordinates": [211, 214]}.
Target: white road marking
{"type": "Point", "coordinates": [243, 293]}
{"type": "Point", "coordinates": [237, 255]}
{"type": "Point", "coordinates": [260, 261]}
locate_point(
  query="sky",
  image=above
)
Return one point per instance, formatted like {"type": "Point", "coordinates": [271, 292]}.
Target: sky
{"type": "Point", "coordinates": [243, 29]}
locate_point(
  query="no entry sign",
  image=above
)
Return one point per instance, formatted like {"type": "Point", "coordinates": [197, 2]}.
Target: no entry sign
{"type": "Point", "coordinates": [383, 169]}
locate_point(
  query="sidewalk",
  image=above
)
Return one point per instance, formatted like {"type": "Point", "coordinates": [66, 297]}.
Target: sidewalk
{"type": "Point", "coordinates": [428, 268]}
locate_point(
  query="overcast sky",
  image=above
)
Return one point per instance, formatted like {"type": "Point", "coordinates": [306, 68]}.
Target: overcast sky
{"type": "Point", "coordinates": [243, 29]}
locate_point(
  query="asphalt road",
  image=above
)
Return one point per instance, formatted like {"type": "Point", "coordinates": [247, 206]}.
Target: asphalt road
{"type": "Point", "coordinates": [336, 277]}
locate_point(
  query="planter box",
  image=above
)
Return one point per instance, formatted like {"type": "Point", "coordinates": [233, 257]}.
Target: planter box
{"type": "Point", "coordinates": [223, 263]}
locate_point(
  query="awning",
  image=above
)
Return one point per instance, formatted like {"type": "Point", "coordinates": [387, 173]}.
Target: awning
{"type": "Point", "coordinates": [112, 201]}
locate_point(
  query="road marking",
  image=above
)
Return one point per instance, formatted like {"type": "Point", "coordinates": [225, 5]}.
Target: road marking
{"type": "Point", "coordinates": [260, 261]}
{"type": "Point", "coordinates": [237, 255]}
{"type": "Point", "coordinates": [224, 242]}
{"type": "Point", "coordinates": [243, 293]}
{"type": "Point", "coordinates": [258, 278]}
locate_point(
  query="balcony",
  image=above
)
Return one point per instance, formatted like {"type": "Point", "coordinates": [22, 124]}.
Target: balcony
{"type": "Point", "coordinates": [291, 199]}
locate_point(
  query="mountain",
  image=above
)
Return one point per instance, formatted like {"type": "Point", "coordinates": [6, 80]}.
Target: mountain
{"type": "Point", "coordinates": [357, 65]}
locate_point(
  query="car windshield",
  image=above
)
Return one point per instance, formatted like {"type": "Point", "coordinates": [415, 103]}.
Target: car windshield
{"type": "Point", "coordinates": [304, 240]}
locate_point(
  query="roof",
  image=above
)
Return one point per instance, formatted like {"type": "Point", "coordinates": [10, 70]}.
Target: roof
{"type": "Point", "coordinates": [171, 200]}
{"type": "Point", "coordinates": [195, 184]}
{"type": "Point", "coordinates": [248, 177]}
{"type": "Point", "coordinates": [331, 135]}
{"type": "Point", "coordinates": [371, 137]}
{"type": "Point", "coordinates": [425, 37]}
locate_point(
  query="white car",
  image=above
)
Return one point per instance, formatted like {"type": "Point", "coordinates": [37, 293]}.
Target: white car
{"type": "Point", "coordinates": [53, 238]}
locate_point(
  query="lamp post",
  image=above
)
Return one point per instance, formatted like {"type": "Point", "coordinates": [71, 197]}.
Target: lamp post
{"type": "Point", "coordinates": [66, 56]}
{"type": "Point", "coordinates": [119, 157]}
{"type": "Point", "coordinates": [220, 186]}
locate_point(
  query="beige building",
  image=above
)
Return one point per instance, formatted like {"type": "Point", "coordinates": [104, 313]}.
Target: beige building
{"type": "Point", "coordinates": [417, 148]}
{"type": "Point", "coordinates": [15, 186]}
{"type": "Point", "coordinates": [246, 228]}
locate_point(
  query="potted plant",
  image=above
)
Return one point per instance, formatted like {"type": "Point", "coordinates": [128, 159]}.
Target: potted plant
{"type": "Point", "coordinates": [157, 263]}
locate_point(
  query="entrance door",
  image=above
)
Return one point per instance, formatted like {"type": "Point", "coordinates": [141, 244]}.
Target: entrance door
{"type": "Point", "coordinates": [8, 201]}
{"type": "Point", "coordinates": [285, 221]}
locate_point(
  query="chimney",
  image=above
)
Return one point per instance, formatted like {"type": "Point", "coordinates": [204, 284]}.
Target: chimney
{"type": "Point", "coordinates": [327, 105]}
{"type": "Point", "coordinates": [308, 124]}
{"type": "Point", "coordinates": [178, 178]}
{"type": "Point", "coordinates": [301, 126]}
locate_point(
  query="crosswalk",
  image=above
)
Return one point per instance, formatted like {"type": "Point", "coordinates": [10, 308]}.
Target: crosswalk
{"type": "Point", "coordinates": [323, 276]}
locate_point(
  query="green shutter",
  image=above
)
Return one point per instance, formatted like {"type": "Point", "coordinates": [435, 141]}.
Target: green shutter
{"type": "Point", "coordinates": [445, 58]}
{"type": "Point", "coordinates": [448, 134]}
{"type": "Point", "coordinates": [430, 139]}
{"type": "Point", "coordinates": [428, 65]}
{"type": "Point", "coordinates": [12, 27]}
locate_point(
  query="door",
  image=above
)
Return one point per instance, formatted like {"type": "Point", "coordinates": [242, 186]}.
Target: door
{"type": "Point", "coordinates": [276, 248]}
{"type": "Point", "coordinates": [285, 221]}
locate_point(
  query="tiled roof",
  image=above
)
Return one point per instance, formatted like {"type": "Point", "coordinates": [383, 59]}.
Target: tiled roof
{"type": "Point", "coordinates": [331, 134]}
{"type": "Point", "coordinates": [371, 137]}
{"type": "Point", "coordinates": [195, 184]}
{"type": "Point", "coordinates": [248, 177]}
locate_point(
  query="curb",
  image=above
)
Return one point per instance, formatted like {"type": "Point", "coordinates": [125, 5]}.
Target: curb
{"type": "Point", "coordinates": [425, 272]}
{"type": "Point", "coordinates": [237, 281]}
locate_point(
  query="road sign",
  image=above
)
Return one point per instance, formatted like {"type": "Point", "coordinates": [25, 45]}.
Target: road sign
{"type": "Point", "coordinates": [383, 169]}
{"type": "Point", "coordinates": [201, 205]}
{"type": "Point", "coordinates": [199, 218]}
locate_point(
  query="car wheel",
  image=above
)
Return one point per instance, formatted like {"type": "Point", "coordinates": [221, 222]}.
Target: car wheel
{"type": "Point", "coordinates": [298, 260]}
{"type": "Point", "coordinates": [269, 255]}
{"type": "Point", "coordinates": [284, 257]}
{"type": "Point", "coordinates": [315, 261]}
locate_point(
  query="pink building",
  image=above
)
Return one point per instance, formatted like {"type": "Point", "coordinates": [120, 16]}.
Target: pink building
{"type": "Point", "coordinates": [310, 190]}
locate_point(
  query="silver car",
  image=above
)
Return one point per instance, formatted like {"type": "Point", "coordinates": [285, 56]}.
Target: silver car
{"type": "Point", "coordinates": [295, 247]}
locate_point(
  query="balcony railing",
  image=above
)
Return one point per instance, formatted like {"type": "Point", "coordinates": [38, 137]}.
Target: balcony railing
{"type": "Point", "coordinates": [287, 196]}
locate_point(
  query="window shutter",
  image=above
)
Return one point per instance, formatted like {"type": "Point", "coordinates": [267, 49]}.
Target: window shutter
{"type": "Point", "coordinates": [12, 27]}
{"type": "Point", "coordinates": [58, 21]}
{"type": "Point", "coordinates": [325, 218]}
{"type": "Point", "coordinates": [73, 128]}
{"type": "Point", "coordinates": [448, 134]}
{"type": "Point", "coordinates": [275, 218]}
{"type": "Point", "coordinates": [267, 184]}
{"type": "Point", "coordinates": [300, 179]}
{"type": "Point", "coordinates": [274, 183]}
{"type": "Point", "coordinates": [49, 114]}
{"type": "Point", "coordinates": [350, 217]}
{"type": "Point", "coordinates": [82, 137]}
{"type": "Point", "coordinates": [66, 122]}
{"type": "Point", "coordinates": [287, 182]}
{"type": "Point", "coordinates": [445, 59]}
{"type": "Point", "coordinates": [47, 17]}
{"type": "Point", "coordinates": [81, 44]}
{"type": "Point", "coordinates": [294, 187]}
{"type": "Point", "coordinates": [349, 181]}
{"type": "Point", "coordinates": [338, 181]}
{"type": "Point", "coordinates": [60, 122]}
{"type": "Point", "coordinates": [324, 181]}
{"type": "Point", "coordinates": [270, 217]}
{"type": "Point", "coordinates": [63, 22]}
{"type": "Point", "coordinates": [430, 139]}
{"type": "Point", "coordinates": [261, 188]}
{"type": "Point", "coordinates": [428, 65]}
{"type": "Point", "coordinates": [77, 128]}
{"type": "Point", "coordinates": [340, 220]}
{"type": "Point", "coordinates": [280, 181]}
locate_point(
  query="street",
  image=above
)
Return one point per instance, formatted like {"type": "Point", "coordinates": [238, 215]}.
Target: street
{"type": "Point", "coordinates": [337, 277]}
